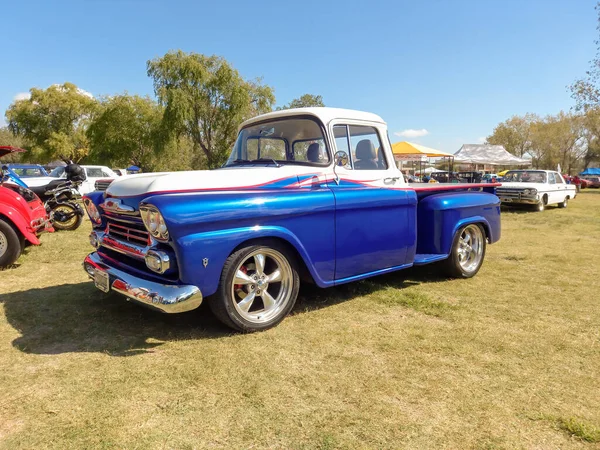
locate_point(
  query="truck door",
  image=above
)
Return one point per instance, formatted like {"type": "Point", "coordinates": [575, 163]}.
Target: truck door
{"type": "Point", "coordinates": [375, 220]}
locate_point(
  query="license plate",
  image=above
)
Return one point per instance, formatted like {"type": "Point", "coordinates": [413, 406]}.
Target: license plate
{"type": "Point", "coordinates": [101, 280]}
{"type": "Point", "coordinates": [506, 200]}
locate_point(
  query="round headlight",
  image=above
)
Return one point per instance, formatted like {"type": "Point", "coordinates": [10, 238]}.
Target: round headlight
{"type": "Point", "coordinates": [154, 222]}
{"type": "Point", "coordinates": [526, 192]}
{"type": "Point", "coordinates": [92, 211]}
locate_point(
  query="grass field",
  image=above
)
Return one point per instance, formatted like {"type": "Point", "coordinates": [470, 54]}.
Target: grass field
{"type": "Point", "coordinates": [508, 359]}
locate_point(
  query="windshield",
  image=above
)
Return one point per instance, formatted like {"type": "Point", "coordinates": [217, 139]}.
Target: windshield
{"type": "Point", "coordinates": [525, 176]}
{"type": "Point", "coordinates": [58, 172]}
{"type": "Point", "coordinates": [287, 141]}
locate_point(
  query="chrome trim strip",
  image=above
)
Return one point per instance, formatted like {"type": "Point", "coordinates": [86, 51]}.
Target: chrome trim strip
{"type": "Point", "coordinates": [120, 219]}
{"type": "Point", "coordinates": [168, 298]}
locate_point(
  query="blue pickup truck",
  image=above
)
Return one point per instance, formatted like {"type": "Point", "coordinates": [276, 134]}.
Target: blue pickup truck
{"type": "Point", "coordinates": [307, 195]}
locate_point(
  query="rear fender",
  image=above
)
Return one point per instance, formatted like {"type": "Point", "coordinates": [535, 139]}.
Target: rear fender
{"type": "Point", "coordinates": [15, 218]}
{"type": "Point", "coordinates": [441, 216]}
{"type": "Point", "coordinates": [201, 256]}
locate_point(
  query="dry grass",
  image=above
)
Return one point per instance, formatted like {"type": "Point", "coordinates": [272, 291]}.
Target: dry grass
{"type": "Point", "coordinates": [508, 359]}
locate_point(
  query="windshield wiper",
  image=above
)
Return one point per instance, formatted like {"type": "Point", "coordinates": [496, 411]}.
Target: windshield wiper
{"type": "Point", "coordinates": [271, 160]}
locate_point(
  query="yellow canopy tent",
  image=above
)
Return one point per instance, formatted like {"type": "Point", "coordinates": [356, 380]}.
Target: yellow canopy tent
{"type": "Point", "coordinates": [409, 148]}
{"type": "Point", "coordinates": [406, 151]}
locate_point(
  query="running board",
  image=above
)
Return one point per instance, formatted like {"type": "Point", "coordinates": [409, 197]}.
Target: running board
{"type": "Point", "coordinates": [427, 258]}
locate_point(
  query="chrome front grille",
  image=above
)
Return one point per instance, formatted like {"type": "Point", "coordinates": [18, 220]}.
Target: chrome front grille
{"type": "Point", "coordinates": [512, 193]}
{"type": "Point", "coordinates": [130, 232]}
{"type": "Point", "coordinates": [102, 185]}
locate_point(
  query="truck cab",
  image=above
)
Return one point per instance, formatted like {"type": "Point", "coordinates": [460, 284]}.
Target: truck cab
{"type": "Point", "coordinates": [309, 194]}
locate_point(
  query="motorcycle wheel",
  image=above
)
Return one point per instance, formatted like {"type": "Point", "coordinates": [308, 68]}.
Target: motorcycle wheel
{"type": "Point", "coordinates": [66, 218]}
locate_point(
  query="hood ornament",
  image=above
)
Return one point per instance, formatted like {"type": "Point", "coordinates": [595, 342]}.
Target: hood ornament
{"type": "Point", "coordinates": [116, 205]}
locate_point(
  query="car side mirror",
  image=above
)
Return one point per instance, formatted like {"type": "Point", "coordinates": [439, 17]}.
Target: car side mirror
{"type": "Point", "coordinates": [341, 158]}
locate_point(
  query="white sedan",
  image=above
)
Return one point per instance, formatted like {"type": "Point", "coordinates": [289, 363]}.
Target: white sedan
{"type": "Point", "coordinates": [535, 187]}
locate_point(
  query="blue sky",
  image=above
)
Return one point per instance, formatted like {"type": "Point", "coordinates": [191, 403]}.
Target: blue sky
{"type": "Point", "coordinates": [452, 68]}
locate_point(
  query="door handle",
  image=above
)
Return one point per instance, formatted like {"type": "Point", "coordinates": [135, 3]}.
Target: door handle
{"type": "Point", "coordinates": [390, 180]}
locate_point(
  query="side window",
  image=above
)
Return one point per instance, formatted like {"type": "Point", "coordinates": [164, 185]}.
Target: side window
{"type": "Point", "coordinates": [340, 133]}
{"type": "Point", "coordinates": [558, 178]}
{"type": "Point", "coordinates": [367, 150]}
{"type": "Point", "coordinates": [551, 179]}
{"type": "Point", "coordinates": [93, 172]}
{"type": "Point", "coordinates": [104, 174]}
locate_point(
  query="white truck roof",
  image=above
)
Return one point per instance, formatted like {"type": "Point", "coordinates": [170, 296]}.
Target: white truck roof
{"type": "Point", "coordinates": [324, 114]}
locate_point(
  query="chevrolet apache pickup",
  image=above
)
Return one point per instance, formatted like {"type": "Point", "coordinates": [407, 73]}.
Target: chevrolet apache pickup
{"type": "Point", "coordinates": [309, 194]}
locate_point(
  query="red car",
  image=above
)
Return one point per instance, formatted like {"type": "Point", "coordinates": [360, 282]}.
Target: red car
{"type": "Point", "coordinates": [22, 215]}
{"type": "Point", "coordinates": [592, 181]}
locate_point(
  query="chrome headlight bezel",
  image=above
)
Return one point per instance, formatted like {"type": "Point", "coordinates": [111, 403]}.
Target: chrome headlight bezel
{"type": "Point", "coordinates": [92, 211]}
{"type": "Point", "coordinates": [154, 222]}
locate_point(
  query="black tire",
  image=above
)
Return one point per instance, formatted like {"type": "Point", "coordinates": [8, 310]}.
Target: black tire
{"type": "Point", "coordinates": [453, 266]}
{"type": "Point", "coordinates": [13, 243]}
{"type": "Point", "coordinates": [72, 223]}
{"type": "Point", "coordinates": [223, 303]}
{"type": "Point", "coordinates": [541, 206]}
{"type": "Point", "coordinates": [564, 203]}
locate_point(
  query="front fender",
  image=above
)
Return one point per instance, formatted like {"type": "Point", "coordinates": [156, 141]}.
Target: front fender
{"type": "Point", "coordinates": [214, 247]}
{"type": "Point", "coordinates": [15, 217]}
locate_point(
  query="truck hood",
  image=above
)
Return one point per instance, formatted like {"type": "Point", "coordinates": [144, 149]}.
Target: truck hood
{"type": "Point", "coordinates": [234, 178]}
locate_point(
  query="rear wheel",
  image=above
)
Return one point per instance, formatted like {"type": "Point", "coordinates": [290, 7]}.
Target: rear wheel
{"type": "Point", "coordinates": [468, 252]}
{"type": "Point", "coordinates": [258, 288]}
{"type": "Point", "coordinates": [564, 203]}
{"type": "Point", "coordinates": [11, 244]}
{"type": "Point", "coordinates": [66, 217]}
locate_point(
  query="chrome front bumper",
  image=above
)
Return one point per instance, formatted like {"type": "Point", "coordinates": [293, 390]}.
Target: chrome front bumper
{"type": "Point", "coordinates": [168, 298]}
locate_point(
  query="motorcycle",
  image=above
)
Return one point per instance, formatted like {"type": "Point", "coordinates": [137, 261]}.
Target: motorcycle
{"type": "Point", "coordinates": [60, 199]}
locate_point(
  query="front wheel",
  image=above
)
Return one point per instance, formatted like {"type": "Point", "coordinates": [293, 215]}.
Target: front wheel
{"type": "Point", "coordinates": [11, 244]}
{"type": "Point", "coordinates": [468, 251]}
{"type": "Point", "coordinates": [66, 217]}
{"type": "Point", "coordinates": [258, 287]}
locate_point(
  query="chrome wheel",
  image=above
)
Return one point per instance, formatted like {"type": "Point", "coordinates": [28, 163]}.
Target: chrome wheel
{"type": "Point", "coordinates": [470, 248]}
{"type": "Point", "coordinates": [262, 285]}
{"type": "Point", "coordinates": [3, 244]}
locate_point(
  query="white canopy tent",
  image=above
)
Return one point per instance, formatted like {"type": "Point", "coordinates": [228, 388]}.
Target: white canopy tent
{"type": "Point", "coordinates": [493, 155]}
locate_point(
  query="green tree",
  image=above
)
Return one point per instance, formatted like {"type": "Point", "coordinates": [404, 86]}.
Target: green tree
{"type": "Point", "coordinates": [514, 134]}
{"type": "Point", "coordinates": [586, 90]}
{"type": "Point", "coordinates": [305, 101]}
{"type": "Point", "coordinates": [53, 121]}
{"type": "Point", "coordinates": [206, 99]}
{"type": "Point", "coordinates": [126, 131]}
{"type": "Point", "coordinates": [591, 121]}
{"type": "Point", "coordinates": [557, 140]}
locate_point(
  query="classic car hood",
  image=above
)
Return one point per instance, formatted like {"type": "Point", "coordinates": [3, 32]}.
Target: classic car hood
{"type": "Point", "coordinates": [7, 150]}
{"type": "Point", "coordinates": [220, 179]}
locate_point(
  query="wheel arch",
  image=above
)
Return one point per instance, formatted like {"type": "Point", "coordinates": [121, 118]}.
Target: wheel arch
{"type": "Point", "coordinates": [305, 273]}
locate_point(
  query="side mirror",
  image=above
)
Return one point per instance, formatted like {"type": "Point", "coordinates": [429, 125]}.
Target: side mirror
{"type": "Point", "coordinates": [341, 158]}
